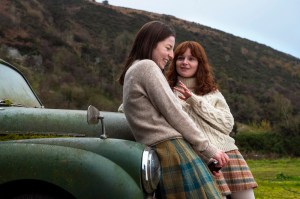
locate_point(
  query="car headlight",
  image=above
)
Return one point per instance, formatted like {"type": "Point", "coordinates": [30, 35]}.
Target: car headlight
{"type": "Point", "coordinates": [150, 170]}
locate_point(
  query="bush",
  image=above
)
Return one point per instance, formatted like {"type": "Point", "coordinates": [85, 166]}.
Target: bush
{"type": "Point", "coordinates": [268, 143]}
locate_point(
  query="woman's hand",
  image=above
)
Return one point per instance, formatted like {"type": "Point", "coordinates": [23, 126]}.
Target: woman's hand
{"type": "Point", "coordinates": [181, 88]}
{"type": "Point", "coordinates": [216, 173]}
{"type": "Point", "coordinates": [222, 158]}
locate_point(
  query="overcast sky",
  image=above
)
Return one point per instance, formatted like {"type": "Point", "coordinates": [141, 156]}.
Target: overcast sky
{"type": "Point", "coordinates": [275, 23]}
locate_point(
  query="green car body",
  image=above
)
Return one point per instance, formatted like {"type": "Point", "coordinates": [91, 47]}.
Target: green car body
{"type": "Point", "coordinates": [80, 160]}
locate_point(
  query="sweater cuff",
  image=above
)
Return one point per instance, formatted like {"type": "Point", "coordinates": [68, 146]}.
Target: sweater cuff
{"type": "Point", "coordinates": [193, 99]}
{"type": "Point", "coordinates": [210, 152]}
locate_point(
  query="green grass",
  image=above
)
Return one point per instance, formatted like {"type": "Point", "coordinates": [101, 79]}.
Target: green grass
{"type": "Point", "coordinates": [276, 179]}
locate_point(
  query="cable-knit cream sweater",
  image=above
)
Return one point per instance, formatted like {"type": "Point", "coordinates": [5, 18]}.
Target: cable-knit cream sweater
{"type": "Point", "coordinates": [153, 112]}
{"type": "Point", "coordinates": [211, 114]}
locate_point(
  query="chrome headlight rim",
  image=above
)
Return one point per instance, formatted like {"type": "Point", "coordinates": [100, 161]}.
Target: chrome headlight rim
{"type": "Point", "coordinates": [150, 170]}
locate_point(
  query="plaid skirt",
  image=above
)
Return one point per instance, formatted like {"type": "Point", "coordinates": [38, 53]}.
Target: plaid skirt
{"type": "Point", "coordinates": [235, 175]}
{"type": "Point", "coordinates": [183, 173]}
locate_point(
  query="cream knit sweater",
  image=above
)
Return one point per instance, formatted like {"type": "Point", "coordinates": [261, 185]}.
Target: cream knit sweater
{"type": "Point", "coordinates": [153, 112]}
{"type": "Point", "coordinates": [211, 115]}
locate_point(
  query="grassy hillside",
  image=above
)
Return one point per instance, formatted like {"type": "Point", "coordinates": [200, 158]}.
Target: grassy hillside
{"type": "Point", "coordinates": [72, 52]}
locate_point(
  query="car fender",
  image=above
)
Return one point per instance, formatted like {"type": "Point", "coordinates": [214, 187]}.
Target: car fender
{"type": "Point", "coordinates": [118, 151]}
{"type": "Point", "coordinates": [68, 168]}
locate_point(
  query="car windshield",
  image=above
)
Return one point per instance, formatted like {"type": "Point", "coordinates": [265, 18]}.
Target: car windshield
{"type": "Point", "coordinates": [14, 89]}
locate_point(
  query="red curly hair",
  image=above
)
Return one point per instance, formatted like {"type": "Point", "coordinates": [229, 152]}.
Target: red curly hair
{"type": "Point", "coordinates": [204, 77]}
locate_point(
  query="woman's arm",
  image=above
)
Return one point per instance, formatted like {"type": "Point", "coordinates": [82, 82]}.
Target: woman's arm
{"type": "Point", "coordinates": [218, 115]}
{"type": "Point", "coordinates": [163, 99]}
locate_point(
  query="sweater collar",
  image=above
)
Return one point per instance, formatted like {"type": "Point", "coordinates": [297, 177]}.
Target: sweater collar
{"type": "Point", "coordinates": [189, 82]}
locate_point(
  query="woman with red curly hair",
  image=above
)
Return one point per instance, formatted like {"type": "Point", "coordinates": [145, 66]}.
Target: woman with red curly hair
{"type": "Point", "coordinates": [190, 77]}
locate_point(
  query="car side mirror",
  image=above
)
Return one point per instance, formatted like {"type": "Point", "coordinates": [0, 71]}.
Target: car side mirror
{"type": "Point", "coordinates": [93, 117]}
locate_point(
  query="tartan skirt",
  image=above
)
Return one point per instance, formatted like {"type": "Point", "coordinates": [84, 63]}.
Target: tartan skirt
{"type": "Point", "coordinates": [183, 173]}
{"type": "Point", "coordinates": [235, 175]}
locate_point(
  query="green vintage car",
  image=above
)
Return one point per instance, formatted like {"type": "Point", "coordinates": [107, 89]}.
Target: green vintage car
{"type": "Point", "coordinates": [86, 154]}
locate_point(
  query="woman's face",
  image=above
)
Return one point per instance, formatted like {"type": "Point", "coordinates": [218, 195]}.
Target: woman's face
{"type": "Point", "coordinates": [186, 64]}
{"type": "Point", "coordinates": [163, 52]}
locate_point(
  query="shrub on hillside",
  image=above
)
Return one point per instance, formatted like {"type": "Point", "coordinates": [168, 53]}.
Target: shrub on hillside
{"type": "Point", "coordinates": [268, 143]}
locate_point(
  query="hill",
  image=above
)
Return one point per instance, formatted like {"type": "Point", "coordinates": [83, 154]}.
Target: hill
{"type": "Point", "coordinates": [72, 52]}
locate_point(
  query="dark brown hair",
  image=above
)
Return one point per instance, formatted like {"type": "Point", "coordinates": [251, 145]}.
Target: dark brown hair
{"type": "Point", "coordinates": [145, 42]}
{"type": "Point", "coordinates": [204, 77]}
